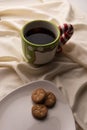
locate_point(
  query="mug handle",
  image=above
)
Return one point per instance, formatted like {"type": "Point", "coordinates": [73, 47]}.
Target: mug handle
{"type": "Point", "coordinates": [66, 31]}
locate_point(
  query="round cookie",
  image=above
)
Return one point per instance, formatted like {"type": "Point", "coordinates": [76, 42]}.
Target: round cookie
{"type": "Point", "coordinates": [50, 99]}
{"type": "Point", "coordinates": [39, 111]}
{"type": "Point", "coordinates": [38, 95]}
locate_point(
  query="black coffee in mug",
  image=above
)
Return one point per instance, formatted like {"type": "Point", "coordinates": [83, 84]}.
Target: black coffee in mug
{"type": "Point", "coordinates": [41, 40]}
{"type": "Point", "coordinates": [40, 35]}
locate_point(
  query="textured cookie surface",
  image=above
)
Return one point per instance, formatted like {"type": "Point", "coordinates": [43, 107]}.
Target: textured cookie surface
{"type": "Point", "coordinates": [39, 111]}
{"type": "Point", "coordinates": [38, 95]}
{"type": "Point", "coordinates": [50, 99]}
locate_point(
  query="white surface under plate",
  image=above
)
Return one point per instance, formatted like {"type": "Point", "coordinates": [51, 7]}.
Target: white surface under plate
{"type": "Point", "coordinates": [15, 110]}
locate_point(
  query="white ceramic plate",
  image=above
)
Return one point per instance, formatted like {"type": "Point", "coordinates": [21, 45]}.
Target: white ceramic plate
{"type": "Point", "coordinates": [15, 110]}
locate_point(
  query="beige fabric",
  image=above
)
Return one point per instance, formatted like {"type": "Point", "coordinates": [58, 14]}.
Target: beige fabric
{"type": "Point", "coordinates": [68, 69]}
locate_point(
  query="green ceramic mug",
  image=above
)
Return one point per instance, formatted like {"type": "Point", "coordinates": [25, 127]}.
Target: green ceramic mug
{"type": "Point", "coordinates": [40, 41]}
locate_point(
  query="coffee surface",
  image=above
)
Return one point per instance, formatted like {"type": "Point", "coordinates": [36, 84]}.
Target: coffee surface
{"type": "Point", "coordinates": [40, 36]}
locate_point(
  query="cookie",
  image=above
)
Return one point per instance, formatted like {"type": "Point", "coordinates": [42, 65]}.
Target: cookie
{"type": "Point", "coordinates": [38, 95]}
{"type": "Point", "coordinates": [50, 99]}
{"type": "Point", "coordinates": [39, 111]}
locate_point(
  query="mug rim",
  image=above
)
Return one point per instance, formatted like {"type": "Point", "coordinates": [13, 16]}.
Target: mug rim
{"type": "Point", "coordinates": [41, 45]}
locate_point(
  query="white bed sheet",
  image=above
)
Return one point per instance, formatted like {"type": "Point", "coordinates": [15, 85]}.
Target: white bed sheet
{"type": "Point", "coordinates": [81, 4]}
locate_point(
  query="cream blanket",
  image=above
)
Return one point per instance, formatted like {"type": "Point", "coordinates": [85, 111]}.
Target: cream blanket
{"type": "Point", "coordinates": [69, 68]}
